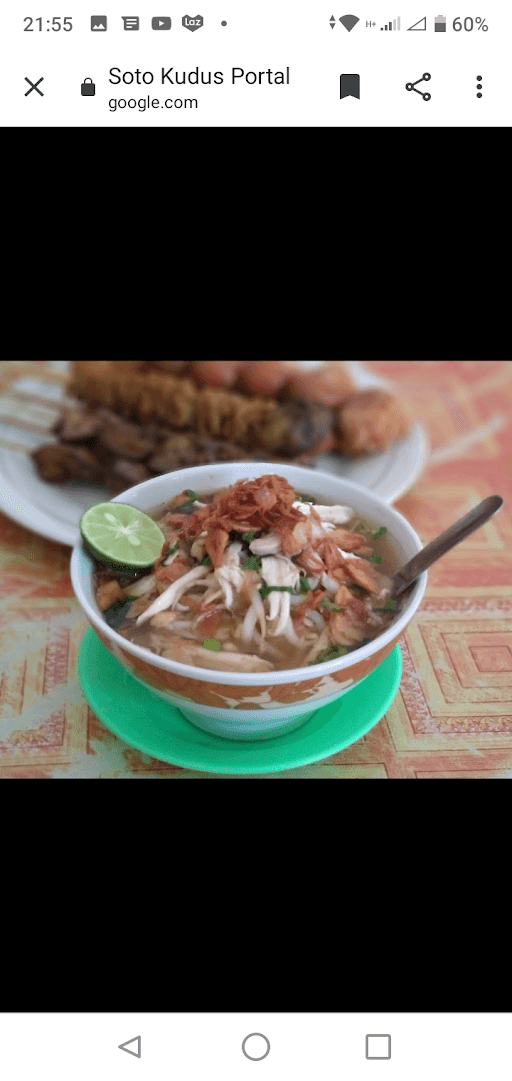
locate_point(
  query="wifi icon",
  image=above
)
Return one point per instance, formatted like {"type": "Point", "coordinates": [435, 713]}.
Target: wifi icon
{"type": "Point", "coordinates": [349, 21]}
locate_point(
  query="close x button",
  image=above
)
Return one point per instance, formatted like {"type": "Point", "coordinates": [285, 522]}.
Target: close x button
{"type": "Point", "coordinates": [34, 86]}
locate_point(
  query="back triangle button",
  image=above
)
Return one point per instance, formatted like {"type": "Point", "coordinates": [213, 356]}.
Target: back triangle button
{"type": "Point", "coordinates": [126, 1047]}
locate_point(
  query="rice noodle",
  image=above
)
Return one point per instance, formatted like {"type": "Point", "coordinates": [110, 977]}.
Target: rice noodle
{"type": "Point", "coordinates": [288, 632]}
{"type": "Point", "coordinates": [170, 559]}
{"type": "Point", "coordinates": [329, 583]}
{"type": "Point", "coordinates": [284, 617]}
{"type": "Point", "coordinates": [249, 624]}
{"type": "Point", "coordinates": [260, 612]}
{"type": "Point", "coordinates": [321, 643]}
{"type": "Point", "coordinates": [316, 619]}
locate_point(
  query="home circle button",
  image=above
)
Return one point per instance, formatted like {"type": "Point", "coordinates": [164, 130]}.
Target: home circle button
{"type": "Point", "coordinates": [256, 1046]}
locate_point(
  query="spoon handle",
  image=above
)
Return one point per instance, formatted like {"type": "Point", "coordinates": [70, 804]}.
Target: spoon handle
{"type": "Point", "coordinates": [437, 548]}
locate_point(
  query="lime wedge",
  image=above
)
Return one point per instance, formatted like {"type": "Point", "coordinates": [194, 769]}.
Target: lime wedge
{"type": "Point", "coordinates": [119, 534]}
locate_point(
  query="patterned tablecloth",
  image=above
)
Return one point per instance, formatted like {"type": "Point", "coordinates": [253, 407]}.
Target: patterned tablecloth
{"type": "Point", "coordinates": [453, 714]}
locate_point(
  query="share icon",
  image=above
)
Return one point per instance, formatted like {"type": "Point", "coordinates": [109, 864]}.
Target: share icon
{"type": "Point", "coordinates": [412, 86]}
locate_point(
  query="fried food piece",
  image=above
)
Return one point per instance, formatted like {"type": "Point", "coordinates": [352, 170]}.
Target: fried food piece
{"type": "Point", "coordinates": [297, 427]}
{"type": "Point", "coordinates": [226, 415]}
{"type": "Point", "coordinates": [363, 575]}
{"type": "Point", "coordinates": [216, 373]}
{"type": "Point", "coordinates": [181, 450]}
{"type": "Point", "coordinates": [349, 627]}
{"type": "Point", "coordinates": [155, 396]}
{"type": "Point", "coordinates": [122, 438]}
{"type": "Point", "coordinates": [174, 367]}
{"type": "Point", "coordinates": [370, 421]}
{"type": "Point", "coordinates": [349, 542]}
{"type": "Point", "coordinates": [77, 425]}
{"type": "Point", "coordinates": [123, 474]}
{"type": "Point", "coordinates": [291, 429]}
{"type": "Point", "coordinates": [329, 385]}
{"type": "Point", "coordinates": [148, 396]}
{"type": "Point", "coordinates": [100, 366]}
{"type": "Point", "coordinates": [265, 377]}
{"type": "Point", "coordinates": [63, 461]}
{"type": "Point", "coordinates": [108, 593]}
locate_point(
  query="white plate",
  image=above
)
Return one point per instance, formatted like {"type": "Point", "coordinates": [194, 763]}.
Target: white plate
{"type": "Point", "coordinates": [54, 510]}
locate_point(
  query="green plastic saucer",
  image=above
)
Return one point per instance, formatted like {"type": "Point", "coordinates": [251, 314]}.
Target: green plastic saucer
{"type": "Point", "coordinates": [158, 729]}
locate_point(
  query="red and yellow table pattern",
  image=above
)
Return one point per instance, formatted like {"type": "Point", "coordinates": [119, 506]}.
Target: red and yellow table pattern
{"type": "Point", "coordinates": [452, 717]}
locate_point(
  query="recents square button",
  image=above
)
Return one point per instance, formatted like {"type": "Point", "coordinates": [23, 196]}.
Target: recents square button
{"type": "Point", "coordinates": [378, 1046]}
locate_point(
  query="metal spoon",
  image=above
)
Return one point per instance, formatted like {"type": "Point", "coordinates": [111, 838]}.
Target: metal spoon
{"type": "Point", "coordinates": [437, 548]}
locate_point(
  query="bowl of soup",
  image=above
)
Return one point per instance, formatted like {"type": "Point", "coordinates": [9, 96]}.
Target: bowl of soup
{"type": "Point", "coordinates": [270, 597]}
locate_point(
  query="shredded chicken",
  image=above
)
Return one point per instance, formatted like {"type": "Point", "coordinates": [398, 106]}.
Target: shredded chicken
{"type": "Point", "coordinates": [332, 515]}
{"type": "Point", "coordinates": [279, 571]}
{"type": "Point", "coordinates": [255, 613]}
{"type": "Point", "coordinates": [230, 575]}
{"type": "Point", "coordinates": [267, 545]}
{"type": "Point", "coordinates": [163, 619]}
{"type": "Point", "coordinates": [172, 594]}
{"type": "Point", "coordinates": [222, 661]}
{"type": "Point", "coordinates": [198, 548]}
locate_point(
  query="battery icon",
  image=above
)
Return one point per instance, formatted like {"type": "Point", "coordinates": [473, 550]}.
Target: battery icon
{"type": "Point", "coordinates": [440, 24]}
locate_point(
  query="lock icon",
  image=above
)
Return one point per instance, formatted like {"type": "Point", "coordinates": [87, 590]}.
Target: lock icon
{"type": "Point", "coordinates": [88, 88]}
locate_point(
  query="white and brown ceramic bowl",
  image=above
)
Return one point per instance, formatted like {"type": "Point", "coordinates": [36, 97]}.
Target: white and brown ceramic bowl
{"type": "Point", "coordinates": [241, 705]}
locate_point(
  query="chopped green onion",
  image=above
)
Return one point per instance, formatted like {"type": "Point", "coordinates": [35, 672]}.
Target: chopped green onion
{"type": "Point", "coordinates": [330, 654]}
{"type": "Point", "coordinates": [304, 498]}
{"type": "Point", "coordinates": [171, 551]}
{"type": "Point", "coordinates": [192, 497]}
{"type": "Point", "coordinates": [304, 585]}
{"type": "Point", "coordinates": [326, 603]}
{"type": "Point", "coordinates": [212, 643]}
{"type": "Point", "coordinates": [390, 605]}
{"type": "Point", "coordinates": [248, 537]}
{"type": "Point", "coordinates": [375, 559]}
{"type": "Point", "coordinates": [265, 590]}
{"type": "Point", "coordinates": [206, 561]}
{"type": "Point", "coordinates": [380, 532]}
{"type": "Point", "coordinates": [252, 563]}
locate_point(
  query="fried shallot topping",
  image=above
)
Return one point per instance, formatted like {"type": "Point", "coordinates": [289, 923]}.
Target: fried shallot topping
{"type": "Point", "coordinates": [248, 506]}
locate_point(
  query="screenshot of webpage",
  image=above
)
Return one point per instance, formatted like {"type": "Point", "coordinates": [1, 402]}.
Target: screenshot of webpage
{"type": "Point", "coordinates": [313, 63]}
